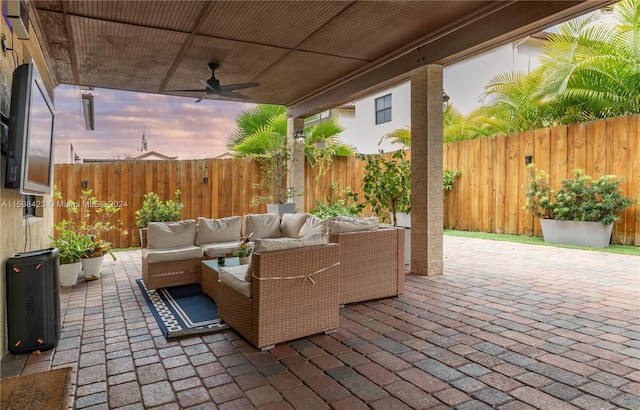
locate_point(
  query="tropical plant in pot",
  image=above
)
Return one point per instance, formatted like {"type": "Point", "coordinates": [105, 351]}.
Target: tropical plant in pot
{"type": "Point", "coordinates": [72, 247]}
{"type": "Point", "coordinates": [243, 253]}
{"type": "Point", "coordinates": [89, 218]}
{"type": "Point", "coordinates": [582, 212]}
{"type": "Point", "coordinates": [156, 210]}
{"type": "Point", "coordinates": [261, 135]}
{"type": "Point", "coordinates": [387, 185]}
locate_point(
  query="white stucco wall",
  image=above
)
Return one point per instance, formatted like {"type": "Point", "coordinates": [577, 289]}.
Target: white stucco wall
{"type": "Point", "coordinates": [16, 233]}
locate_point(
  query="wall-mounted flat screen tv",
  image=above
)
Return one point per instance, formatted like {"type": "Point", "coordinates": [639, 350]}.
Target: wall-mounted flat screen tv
{"type": "Point", "coordinates": [30, 144]}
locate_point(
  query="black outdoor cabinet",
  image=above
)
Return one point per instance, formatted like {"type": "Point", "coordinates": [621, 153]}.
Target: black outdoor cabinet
{"type": "Point", "coordinates": [33, 301]}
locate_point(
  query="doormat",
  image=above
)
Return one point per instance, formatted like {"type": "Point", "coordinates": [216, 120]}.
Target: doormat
{"type": "Point", "coordinates": [46, 390]}
{"type": "Point", "coordinates": [182, 310]}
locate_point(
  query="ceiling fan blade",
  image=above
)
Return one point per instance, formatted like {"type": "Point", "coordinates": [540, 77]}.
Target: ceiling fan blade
{"type": "Point", "coordinates": [232, 94]}
{"type": "Point", "coordinates": [200, 90]}
{"type": "Point", "coordinates": [232, 87]}
{"type": "Point", "coordinates": [206, 85]}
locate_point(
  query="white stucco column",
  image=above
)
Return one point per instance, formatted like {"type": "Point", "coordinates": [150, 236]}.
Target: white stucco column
{"type": "Point", "coordinates": [295, 175]}
{"type": "Point", "coordinates": [426, 171]}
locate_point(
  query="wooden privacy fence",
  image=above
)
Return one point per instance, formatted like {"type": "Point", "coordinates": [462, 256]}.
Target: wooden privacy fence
{"type": "Point", "coordinates": [488, 197]}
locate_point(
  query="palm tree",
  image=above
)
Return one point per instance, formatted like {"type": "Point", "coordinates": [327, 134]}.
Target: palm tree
{"type": "Point", "coordinates": [589, 70]}
{"type": "Point", "coordinates": [594, 67]}
{"type": "Point", "coordinates": [398, 136]}
{"type": "Point", "coordinates": [262, 130]}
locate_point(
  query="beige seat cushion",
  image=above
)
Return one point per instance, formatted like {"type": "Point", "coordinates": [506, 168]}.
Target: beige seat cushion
{"type": "Point", "coordinates": [171, 234]}
{"type": "Point", "coordinates": [262, 225]}
{"type": "Point", "coordinates": [233, 276]}
{"type": "Point", "coordinates": [276, 244]}
{"type": "Point", "coordinates": [214, 249]}
{"type": "Point", "coordinates": [172, 254]}
{"type": "Point", "coordinates": [312, 225]}
{"type": "Point", "coordinates": [291, 224]}
{"type": "Point", "coordinates": [219, 230]}
{"type": "Point", "coordinates": [344, 224]}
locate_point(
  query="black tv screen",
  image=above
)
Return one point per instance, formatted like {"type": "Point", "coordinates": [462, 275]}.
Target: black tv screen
{"type": "Point", "coordinates": [30, 147]}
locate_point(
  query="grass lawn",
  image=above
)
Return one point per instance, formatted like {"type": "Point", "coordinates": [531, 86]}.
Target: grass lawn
{"type": "Point", "coordinates": [625, 250]}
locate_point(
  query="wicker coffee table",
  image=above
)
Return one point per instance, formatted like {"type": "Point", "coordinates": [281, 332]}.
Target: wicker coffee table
{"type": "Point", "coordinates": [209, 275]}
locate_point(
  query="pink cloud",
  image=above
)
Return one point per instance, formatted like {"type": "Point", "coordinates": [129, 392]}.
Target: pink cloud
{"type": "Point", "coordinates": [172, 125]}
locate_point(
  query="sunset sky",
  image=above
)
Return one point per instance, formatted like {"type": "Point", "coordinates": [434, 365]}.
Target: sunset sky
{"type": "Point", "coordinates": [172, 125]}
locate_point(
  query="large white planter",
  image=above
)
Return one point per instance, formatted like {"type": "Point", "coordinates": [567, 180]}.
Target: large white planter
{"type": "Point", "coordinates": [593, 234]}
{"type": "Point", "coordinates": [69, 273]}
{"type": "Point", "coordinates": [280, 209]}
{"type": "Point", "coordinates": [92, 267]}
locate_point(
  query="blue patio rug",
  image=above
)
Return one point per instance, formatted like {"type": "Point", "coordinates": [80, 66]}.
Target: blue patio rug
{"type": "Point", "coordinates": [182, 310]}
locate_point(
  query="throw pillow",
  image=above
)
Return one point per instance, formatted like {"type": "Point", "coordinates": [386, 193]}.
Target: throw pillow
{"type": "Point", "coordinates": [262, 225]}
{"type": "Point", "coordinates": [169, 234]}
{"type": "Point", "coordinates": [218, 230]}
{"type": "Point", "coordinates": [312, 225]}
{"type": "Point", "coordinates": [292, 223]}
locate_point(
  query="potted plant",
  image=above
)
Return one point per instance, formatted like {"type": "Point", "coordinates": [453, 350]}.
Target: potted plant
{"type": "Point", "coordinates": [72, 246]}
{"type": "Point", "coordinates": [582, 212]}
{"type": "Point", "coordinates": [89, 218]}
{"type": "Point", "coordinates": [387, 185]}
{"type": "Point", "coordinates": [92, 261]}
{"type": "Point", "coordinates": [274, 166]}
{"type": "Point", "coordinates": [387, 188]}
{"type": "Point", "coordinates": [243, 253]}
{"type": "Point", "coordinates": [155, 210]}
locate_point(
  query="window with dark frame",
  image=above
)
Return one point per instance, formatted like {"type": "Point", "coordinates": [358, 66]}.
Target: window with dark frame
{"type": "Point", "coordinates": [383, 109]}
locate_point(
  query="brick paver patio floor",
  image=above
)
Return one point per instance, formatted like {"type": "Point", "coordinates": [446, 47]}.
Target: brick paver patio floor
{"type": "Point", "coordinates": [508, 326]}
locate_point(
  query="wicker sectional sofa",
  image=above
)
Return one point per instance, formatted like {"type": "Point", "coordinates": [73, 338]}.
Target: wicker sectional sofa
{"type": "Point", "coordinates": [302, 269]}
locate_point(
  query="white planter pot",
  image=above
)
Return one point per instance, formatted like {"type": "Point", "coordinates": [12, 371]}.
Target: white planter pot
{"type": "Point", "coordinates": [92, 267]}
{"type": "Point", "coordinates": [280, 209]}
{"type": "Point", "coordinates": [593, 234]}
{"type": "Point", "coordinates": [404, 221]}
{"type": "Point", "coordinates": [245, 260]}
{"type": "Point", "coordinates": [69, 273]}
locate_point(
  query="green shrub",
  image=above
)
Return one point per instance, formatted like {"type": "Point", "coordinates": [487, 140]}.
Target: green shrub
{"type": "Point", "coordinates": [579, 199]}
{"type": "Point", "coordinates": [387, 185]}
{"type": "Point", "coordinates": [155, 210]}
{"type": "Point", "coordinates": [340, 203]}
{"type": "Point", "coordinates": [449, 177]}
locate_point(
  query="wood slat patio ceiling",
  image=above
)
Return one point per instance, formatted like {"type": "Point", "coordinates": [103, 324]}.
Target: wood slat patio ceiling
{"type": "Point", "coordinates": [296, 50]}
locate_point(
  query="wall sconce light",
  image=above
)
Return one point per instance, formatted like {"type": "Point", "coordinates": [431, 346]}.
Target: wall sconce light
{"type": "Point", "coordinates": [528, 159]}
{"type": "Point", "coordinates": [85, 184]}
{"type": "Point", "coordinates": [445, 101]}
{"type": "Point", "coordinates": [205, 180]}
{"type": "Point", "coordinates": [299, 136]}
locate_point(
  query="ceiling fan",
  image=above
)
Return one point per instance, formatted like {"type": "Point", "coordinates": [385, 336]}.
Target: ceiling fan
{"type": "Point", "coordinates": [213, 88]}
